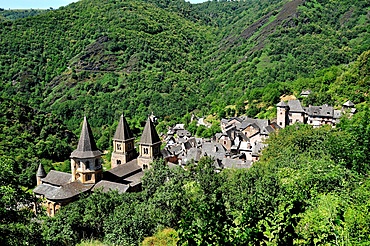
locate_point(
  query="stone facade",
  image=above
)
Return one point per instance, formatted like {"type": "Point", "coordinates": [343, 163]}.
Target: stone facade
{"type": "Point", "coordinates": [59, 188]}
{"type": "Point", "coordinates": [293, 112]}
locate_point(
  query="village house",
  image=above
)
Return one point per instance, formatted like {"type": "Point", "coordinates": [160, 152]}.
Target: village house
{"type": "Point", "coordinates": [59, 188]}
{"type": "Point", "coordinates": [237, 146]}
{"type": "Point", "coordinates": [292, 112]}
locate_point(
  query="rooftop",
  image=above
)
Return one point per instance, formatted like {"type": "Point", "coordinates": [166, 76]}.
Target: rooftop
{"type": "Point", "coordinates": [106, 186]}
{"type": "Point", "coordinates": [86, 147]}
{"type": "Point", "coordinates": [150, 135]}
{"type": "Point", "coordinates": [123, 131]}
{"type": "Point", "coordinates": [57, 178]}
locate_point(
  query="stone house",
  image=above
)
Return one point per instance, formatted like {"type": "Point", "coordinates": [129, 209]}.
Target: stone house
{"type": "Point", "coordinates": [293, 112]}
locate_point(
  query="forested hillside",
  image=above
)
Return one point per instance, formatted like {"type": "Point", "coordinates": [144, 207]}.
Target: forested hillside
{"type": "Point", "coordinates": [216, 59]}
{"type": "Point", "coordinates": [100, 58]}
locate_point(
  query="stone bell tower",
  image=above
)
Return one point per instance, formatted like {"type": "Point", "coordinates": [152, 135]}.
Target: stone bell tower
{"type": "Point", "coordinates": [123, 144]}
{"type": "Point", "coordinates": [149, 145]}
{"type": "Point", "coordinates": [86, 159]}
{"type": "Point", "coordinates": [282, 114]}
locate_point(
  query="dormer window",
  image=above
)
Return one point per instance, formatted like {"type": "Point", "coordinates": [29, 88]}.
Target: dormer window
{"type": "Point", "coordinates": [87, 164]}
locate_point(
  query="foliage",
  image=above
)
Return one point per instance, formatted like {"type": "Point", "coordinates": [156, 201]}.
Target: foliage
{"type": "Point", "coordinates": [219, 58]}
{"type": "Point", "coordinates": [164, 237]}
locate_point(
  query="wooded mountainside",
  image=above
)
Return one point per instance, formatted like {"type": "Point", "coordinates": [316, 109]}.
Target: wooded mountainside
{"type": "Point", "coordinates": [173, 58]}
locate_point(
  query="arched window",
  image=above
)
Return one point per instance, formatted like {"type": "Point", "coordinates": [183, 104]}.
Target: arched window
{"type": "Point", "coordinates": [146, 151]}
{"type": "Point", "coordinates": [118, 162]}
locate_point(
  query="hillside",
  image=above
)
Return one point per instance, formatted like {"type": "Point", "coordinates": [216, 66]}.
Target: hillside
{"type": "Point", "coordinates": [101, 58]}
{"type": "Point", "coordinates": [216, 59]}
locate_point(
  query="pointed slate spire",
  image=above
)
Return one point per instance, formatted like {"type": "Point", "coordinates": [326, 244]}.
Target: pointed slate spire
{"type": "Point", "coordinates": [41, 172]}
{"type": "Point", "coordinates": [86, 145]}
{"type": "Point", "coordinates": [123, 131]}
{"type": "Point", "coordinates": [150, 135]}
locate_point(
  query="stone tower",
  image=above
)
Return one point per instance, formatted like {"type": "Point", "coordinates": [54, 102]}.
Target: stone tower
{"type": "Point", "coordinates": [86, 159]}
{"type": "Point", "coordinates": [282, 114]}
{"type": "Point", "coordinates": [149, 145]}
{"type": "Point", "coordinates": [123, 144]}
{"type": "Point", "coordinates": [40, 174]}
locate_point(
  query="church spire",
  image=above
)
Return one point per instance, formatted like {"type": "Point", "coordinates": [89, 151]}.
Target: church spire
{"type": "Point", "coordinates": [40, 174]}
{"type": "Point", "coordinates": [150, 135]}
{"type": "Point", "coordinates": [86, 159]}
{"type": "Point", "coordinates": [86, 147]}
{"type": "Point", "coordinates": [123, 144]}
{"type": "Point", "coordinates": [123, 131]}
{"type": "Point", "coordinates": [149, 146]}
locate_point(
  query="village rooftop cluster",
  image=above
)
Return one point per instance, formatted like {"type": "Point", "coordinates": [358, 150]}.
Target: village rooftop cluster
{"type": "Point", "coordinates": [238, 145]}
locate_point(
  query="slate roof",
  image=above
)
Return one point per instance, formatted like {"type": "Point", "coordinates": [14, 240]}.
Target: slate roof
{"type": "Point", "coordinates": [57, 178]}
{"type": "Point", "coordinates": [106, 186]}
{"type": "Point", "coordinates": [215, 150]}
{"type": "Point", "coordinates": [322, 111]}
{"type": "Point", "coordinates": [257, 123]}
{"type": "Point", "coordinates": [175, 149]}
{"type": "Point", "coordinates": [44, 189]}
{"type": "Point", "coordinates": [86, 147]}
{"type": "Point", "coordinates": [165, 153]}
{"type": "Point", "coordinates": [295, 106]}
{"type": "Point", "coordinates": [192, 141]}
{"type": "Point", "coordinates": [67, 191]}
{"type": "Point", "coordinates": [349, 104]}
{"type": "Point", "coordinates": [135, 179]}
{"type": "Point", "coordinates": [122, 171]}
{"type": "Point", "coordinates": [193, 154]}
{"type": "Point", "coordinates": [269, 129]}
{"type": "Point", "coordinates": [281, 104]}
{"type": "Point", "coordinates": [41, 172]}
{"type": "Point", "coordinates": [123, 131]}
{"type": "Point", "coordinates": [150, 135]}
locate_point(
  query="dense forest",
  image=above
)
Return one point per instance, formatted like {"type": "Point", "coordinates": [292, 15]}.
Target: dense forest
{"type": "Point", "coordinates": [216, 59]}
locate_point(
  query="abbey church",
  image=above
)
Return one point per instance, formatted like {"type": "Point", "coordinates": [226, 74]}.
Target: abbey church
{"type": "Point", "coordinates": [59, 188]}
